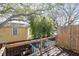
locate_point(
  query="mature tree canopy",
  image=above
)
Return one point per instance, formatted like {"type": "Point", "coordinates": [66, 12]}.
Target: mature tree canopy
{"type": "Point", "coordinates": [62, 14]}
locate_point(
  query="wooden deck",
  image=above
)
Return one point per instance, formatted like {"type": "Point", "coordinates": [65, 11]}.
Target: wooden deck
{"type": "Point", "coordinates": [50, 51]}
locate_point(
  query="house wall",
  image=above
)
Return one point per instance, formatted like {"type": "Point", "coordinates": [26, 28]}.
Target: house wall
{"type": "Point", "coordinates": [6, 34]}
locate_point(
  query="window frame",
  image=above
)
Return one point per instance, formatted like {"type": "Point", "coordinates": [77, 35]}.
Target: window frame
{"type": "Point", "coordinates": [14, 28]}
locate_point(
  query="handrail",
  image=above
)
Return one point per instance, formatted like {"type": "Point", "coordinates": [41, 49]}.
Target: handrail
{"type": "Point", "coordinates": [2, 50]}
{"type": "Point", "coordinates": [30, 40]}
{"type": "Point", "coordinates": [27, 42]}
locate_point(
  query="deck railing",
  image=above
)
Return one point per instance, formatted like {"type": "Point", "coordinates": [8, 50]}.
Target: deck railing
{"type": "Point", "coordinates": [27, 42]}
{"type": "Point", "coordinates": [10, 45]}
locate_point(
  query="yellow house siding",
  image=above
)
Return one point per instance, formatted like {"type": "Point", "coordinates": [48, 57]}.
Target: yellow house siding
{"type": "Point", "coordinates": [6, 34]}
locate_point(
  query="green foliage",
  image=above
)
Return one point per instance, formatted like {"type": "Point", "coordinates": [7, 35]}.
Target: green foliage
{"type": "Point", "coordinates": [41, 26]}
{"type": "Point", "coordinates": [22, 10]}
{"type": "Point", "coordinates": [6, 9]}
{"type": "Point", "coordinates": [15, 9]}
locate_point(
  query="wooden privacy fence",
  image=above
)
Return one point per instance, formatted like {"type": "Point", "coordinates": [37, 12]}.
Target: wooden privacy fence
{"type": "Point", "coordinates": [68, 37]}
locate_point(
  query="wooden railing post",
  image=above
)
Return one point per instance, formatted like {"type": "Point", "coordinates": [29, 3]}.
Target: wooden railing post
{"type": "Point", "coordinates": [2, 50]}
{"type": "Point", "coordinates": [4, 45]}
{"type": "Point", "coordinates": [41, 46]}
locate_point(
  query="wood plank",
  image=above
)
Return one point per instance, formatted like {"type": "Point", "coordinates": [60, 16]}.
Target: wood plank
{"type": "Point", "coordinates": [43, 51]}
{"type": "Point", "coordinates": [26, 42]}
{"type": "Point", "coordinates": [51, 51]}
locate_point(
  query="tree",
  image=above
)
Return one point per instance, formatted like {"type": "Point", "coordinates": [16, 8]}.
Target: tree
{"type": "Point", "coordinates": [41, 26]}
{"type": "Point", "coordinates": [16, 10]}
{"type": "Point", "coordinates": [64, 14]}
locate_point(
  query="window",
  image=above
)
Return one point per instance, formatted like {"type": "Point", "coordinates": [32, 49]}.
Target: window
{"type": "Point", "coordinates": [14, 30]}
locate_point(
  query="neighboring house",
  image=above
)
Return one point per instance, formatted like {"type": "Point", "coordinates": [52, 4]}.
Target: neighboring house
{"type": "Point", "coordinates": [14, 31]}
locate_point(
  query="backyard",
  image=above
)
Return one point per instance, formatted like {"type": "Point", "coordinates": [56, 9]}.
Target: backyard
{"type": "Point", "coordinates": [39, 29]}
